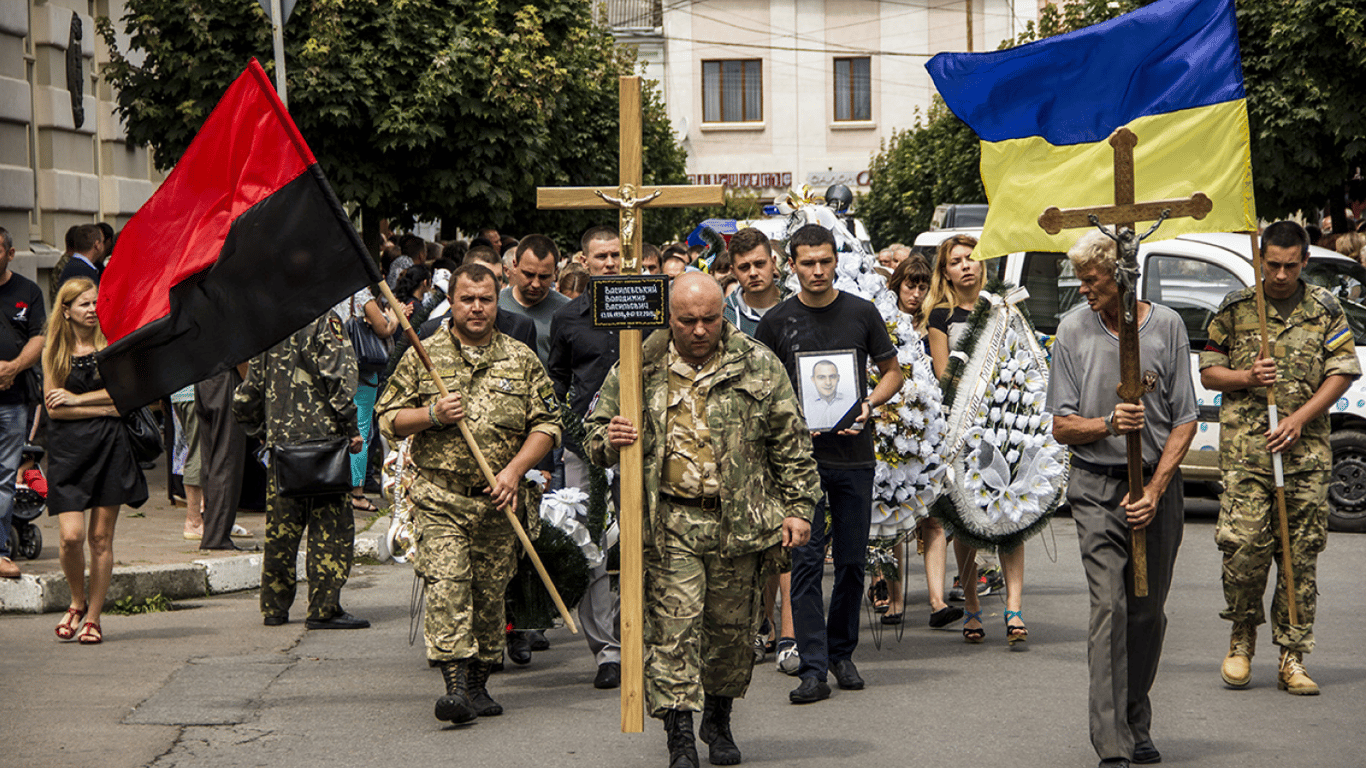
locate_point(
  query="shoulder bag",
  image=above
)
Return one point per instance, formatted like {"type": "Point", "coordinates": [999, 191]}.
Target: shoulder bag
{"type": "Point", "coordinates": [312, 468]}
{"type": "Point", "coordinates": [371, 354]}
{"type": "Point", "coordinates": [144, 436]}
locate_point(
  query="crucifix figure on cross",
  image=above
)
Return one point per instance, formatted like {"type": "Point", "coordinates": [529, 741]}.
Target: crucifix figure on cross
{"type": "Point", "coordinates": [1121, 217]}
{"type": "Point", "coordinates": [629, 197]}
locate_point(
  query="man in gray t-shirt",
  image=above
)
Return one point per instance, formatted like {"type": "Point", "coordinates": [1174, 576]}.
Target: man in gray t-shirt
{"type": "Point", "coordinates": [1125, 631]}
{"type": "Point", "coordinates": [531, 292]}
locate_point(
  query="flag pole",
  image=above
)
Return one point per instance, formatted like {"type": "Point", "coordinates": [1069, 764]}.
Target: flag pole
{"type": "Point", "coordinates": [479, 456]}
{"type": "Point", "coordinates": [1277, 467]}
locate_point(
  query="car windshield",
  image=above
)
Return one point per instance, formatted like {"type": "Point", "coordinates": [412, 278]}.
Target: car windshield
{"type": "Point", "coordinates": [1347, 280]}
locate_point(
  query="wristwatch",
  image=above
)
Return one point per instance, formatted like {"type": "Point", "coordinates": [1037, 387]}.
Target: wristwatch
{"type": "Point", "coordinates": [1110, 424]}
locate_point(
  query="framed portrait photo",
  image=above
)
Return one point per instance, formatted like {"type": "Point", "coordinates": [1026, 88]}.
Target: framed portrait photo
{"type": "Point", "coordinates": [831, 388]}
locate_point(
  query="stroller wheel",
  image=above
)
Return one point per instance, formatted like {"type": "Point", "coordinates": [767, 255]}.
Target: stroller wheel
{"type": "Point", "coordinates": [28, 541]}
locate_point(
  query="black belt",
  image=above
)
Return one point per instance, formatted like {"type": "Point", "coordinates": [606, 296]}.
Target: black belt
{"type": "Point", "coordinates": [1116, 471]}
{"type": "Point", "coordinates": [704, 502]}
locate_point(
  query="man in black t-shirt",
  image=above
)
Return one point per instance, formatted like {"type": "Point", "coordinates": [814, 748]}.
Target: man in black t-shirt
{"type": "Point", "coordinates": [21, 344]}
{"type": "Point", "coordinates": [820, 318]}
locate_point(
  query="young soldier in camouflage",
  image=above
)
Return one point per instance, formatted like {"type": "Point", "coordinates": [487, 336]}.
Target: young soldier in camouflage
{"type": "Point", "coordinates": [1313, 361]}
{"type": "Point", "coordinates": [466, 548]}
{"type": "Point", "coordinates": [729, 480]}
{"type": "Point", "coordinates": [302, 389]}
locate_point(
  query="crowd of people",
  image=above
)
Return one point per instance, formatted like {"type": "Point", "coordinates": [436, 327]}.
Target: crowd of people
{"type": "Point", "coordinates": [748, 494]}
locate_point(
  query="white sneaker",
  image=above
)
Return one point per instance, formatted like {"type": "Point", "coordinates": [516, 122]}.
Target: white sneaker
{"type": "Point", "coordinates": [760, 648]}
{"type": "Point", "coordinates": [789, 661]}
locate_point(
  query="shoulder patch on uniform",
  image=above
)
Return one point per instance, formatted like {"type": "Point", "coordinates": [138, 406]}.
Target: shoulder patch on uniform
{"type": "Point", "coordinates": [547, 395]}
{"type": "Point", "coordinates": [1343, 336]}
{"type": "Point", "coordinates": [335, 323]}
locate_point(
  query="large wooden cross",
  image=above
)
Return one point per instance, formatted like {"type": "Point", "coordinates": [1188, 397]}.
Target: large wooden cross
{"type": "Point", "coordinates": [1122, 216]}
{"type": "Point", "coordinates": [628, 198]}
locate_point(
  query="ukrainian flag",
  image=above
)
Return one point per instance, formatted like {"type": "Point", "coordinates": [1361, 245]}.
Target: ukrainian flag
{"type": "Point", "coordinates": [1170, 71]}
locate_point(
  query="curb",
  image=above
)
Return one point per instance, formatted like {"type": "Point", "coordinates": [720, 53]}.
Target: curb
{"type": "Point", "coordinates": [49, 593]}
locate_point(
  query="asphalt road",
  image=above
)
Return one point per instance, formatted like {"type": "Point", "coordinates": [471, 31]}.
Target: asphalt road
{"type": "Point", "coordinates": [207, 685]}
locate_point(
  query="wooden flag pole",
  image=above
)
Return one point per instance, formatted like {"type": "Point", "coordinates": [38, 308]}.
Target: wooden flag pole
{"type": "Point", "coordinates": [1277, 465]}
{"type": "Point", "coordinates": [484, 467]}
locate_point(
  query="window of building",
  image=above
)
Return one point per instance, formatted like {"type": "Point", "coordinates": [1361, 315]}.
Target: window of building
{"type": "Point", "coordinates": [853, 89]}
{"type": "Point", "coordinates": [732, 91]}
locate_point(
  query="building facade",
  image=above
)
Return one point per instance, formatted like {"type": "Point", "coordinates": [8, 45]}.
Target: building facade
{"type": "Point", "coordinates": [765, 95]}
{"type": "Point", "coordinates": [63, 155]}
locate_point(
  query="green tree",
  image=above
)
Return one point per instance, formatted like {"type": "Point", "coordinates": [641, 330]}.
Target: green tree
{"type": "Point", "coordinates": [416, 110]}
{"type": "Point", "coordinates": [934, 161]}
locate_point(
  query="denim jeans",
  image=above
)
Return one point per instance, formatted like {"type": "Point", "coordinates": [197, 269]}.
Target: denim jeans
{"type": "Point", "coordinates": [847, 506]}
{"type": "Point", "coordinates": [13, 427]}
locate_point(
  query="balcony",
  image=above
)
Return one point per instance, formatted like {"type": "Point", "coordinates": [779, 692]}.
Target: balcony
{"type": "Point", "coordinates": [632, 16]}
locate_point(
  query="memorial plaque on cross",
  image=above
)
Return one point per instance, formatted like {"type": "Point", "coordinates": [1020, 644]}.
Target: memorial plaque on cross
{"type": "Point", "coordinates": [1122, 216]}
{"type": "Point", "coordinates": [629, 197]}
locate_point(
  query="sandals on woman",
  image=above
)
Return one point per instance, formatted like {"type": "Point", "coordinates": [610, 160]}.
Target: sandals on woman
{"type": "Point", "coordinates": [361, 504]}
{"type": "Point", "coordinates": [90, 634]}
{"type": "Point", "coordinates": [1016, 633]}
{"type": "Point", "coordinates": [976, 634]}
{"type": "Point", "coordinates": [66, 628]}
{"type": "Point", "coordinates": [879, 596]}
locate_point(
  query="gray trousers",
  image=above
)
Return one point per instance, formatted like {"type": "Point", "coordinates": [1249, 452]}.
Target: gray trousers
{"type": "Point", "coordinates": [600, 608]}
{"type": "Point", "coordinates": [223, 447]}
{"type": "Point", "coordinates": [1125, 641]}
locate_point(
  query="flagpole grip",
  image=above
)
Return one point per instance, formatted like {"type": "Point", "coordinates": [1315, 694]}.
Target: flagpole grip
{"type": "Point", "coordinates": [484, 467]}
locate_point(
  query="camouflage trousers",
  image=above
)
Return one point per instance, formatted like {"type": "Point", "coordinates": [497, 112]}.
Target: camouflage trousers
{"type": "Point", "coordinates": [1248, 534]}
{"type": "Point", "coordinates": [466, 553]}
{"type": "Point", "coordinates": [331, 542]}
{"type": "Point", "coordinates": [701, 613]}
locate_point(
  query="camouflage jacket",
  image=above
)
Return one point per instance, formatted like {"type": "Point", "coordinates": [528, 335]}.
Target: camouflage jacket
{"type": "Point", "coordinates": [303, 388]}
{"type": "Point", "coordinates": [760, 442]}
{"type": "Point", "coordinates": [1312, 345]}
{"type": "Point", "coordinates": [505, 390]}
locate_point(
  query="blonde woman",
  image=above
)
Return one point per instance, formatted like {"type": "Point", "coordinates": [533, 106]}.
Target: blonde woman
{"type": "Point", "coordinates": [90, 464]}
{"type": "Point", "coordinates": [954, 287]}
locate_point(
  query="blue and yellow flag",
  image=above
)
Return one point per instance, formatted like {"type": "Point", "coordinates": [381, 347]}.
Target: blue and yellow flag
{"type": "Point", "coordinates": [1170, 71]}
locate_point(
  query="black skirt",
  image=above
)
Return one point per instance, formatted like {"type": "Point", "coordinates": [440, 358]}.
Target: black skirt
{"type": "Point", "coordinates": [89, 461]}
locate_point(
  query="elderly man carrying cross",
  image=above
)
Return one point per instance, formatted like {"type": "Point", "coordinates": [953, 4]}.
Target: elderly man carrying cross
{"type": "Point", "coordinates": [729, 482]}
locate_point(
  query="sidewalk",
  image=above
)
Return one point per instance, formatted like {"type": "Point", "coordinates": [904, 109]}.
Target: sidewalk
{"type": "Point", "coordinates": [151, 556]}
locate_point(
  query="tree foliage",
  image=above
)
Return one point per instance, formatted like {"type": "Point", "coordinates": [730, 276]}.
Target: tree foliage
{"type": "Point", "coordinates": [1302, 61]}
{"type": "Point", "coordinates": [934, 161]}
{"type": "Point", "coordinates": [416, 109]}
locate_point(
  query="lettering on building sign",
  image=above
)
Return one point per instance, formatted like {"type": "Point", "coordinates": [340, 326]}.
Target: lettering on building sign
{"type": "Point", "coordinates": [847, 178]}
{"type": "Point", "coordinates": [744, 180]}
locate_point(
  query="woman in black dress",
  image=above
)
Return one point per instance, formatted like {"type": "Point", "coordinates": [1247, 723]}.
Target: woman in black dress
{"type": "Point", "coordinates": [90, 464]}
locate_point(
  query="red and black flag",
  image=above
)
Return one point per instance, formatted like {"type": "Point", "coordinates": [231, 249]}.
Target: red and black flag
{"type": "Point", "coordinates": [243, 244]}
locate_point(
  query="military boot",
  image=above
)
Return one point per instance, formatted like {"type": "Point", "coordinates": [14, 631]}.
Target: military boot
{"type": "Point", "coordinates": [1237, 668]}
{"type": "Point", "coordinates": [682, 748]}
{"type": "Point", "coordinates": [1292, 677]}
{"type": "Point", "coordinates": [715, 731]}
{"type": "Point", "coordinates": [479, 694]}
{"type": "Point", "coordinates": [456, 706]}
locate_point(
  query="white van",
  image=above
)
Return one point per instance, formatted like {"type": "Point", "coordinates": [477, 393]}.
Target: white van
{"type": "Point", "coordinates": [1192, 274]}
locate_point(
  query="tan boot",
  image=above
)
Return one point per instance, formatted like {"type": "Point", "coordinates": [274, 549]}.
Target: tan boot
{"type": "Point", "coordinates": [1237, 668]}
{"type": "Point", "coordinates": [1293, 678]}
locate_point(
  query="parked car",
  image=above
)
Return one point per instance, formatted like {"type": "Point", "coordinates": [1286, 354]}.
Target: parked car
{"type": "Point", "coordinates": [958, 216]}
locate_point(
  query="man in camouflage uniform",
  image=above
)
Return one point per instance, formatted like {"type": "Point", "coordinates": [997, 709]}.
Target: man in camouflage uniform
{"type": "Point", "coordinates": [729, 480]}
{"type": "Point", "coordinates": [466, 547]}
{"type": "Point", "coordinates": [1312, 345]}
{"type": "Point", "coordinates": [304, 388]}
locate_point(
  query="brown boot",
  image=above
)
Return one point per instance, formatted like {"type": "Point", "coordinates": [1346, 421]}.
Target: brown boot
{"type": "Point", "coordinates": [1237, 669]}
{"type": "Point", "coordinates": [1292, 677]}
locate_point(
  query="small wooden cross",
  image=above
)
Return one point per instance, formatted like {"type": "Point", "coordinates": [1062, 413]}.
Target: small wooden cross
{"type": "Point", "coordinates": [629, 198]}
{"type": "Point", "coordinates": [1123, 215]}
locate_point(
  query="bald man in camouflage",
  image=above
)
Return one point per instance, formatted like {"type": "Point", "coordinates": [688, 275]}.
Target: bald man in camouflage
{"type": "Point", "coordinates": [729, 484]}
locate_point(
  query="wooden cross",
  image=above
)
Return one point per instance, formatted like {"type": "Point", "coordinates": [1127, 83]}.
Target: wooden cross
{"type": "Point", "coordinates": [1123, 215]}
{"type": "Point", "coordinates": [629, 197]}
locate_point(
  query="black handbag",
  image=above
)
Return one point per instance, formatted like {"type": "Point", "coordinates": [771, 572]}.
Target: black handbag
{"type": "Point", "coordinates": [371, 353]}
{"type": "Point", "coordinates": [144, 436]}
{"type": "Point", "coordinates": [312, 468]}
